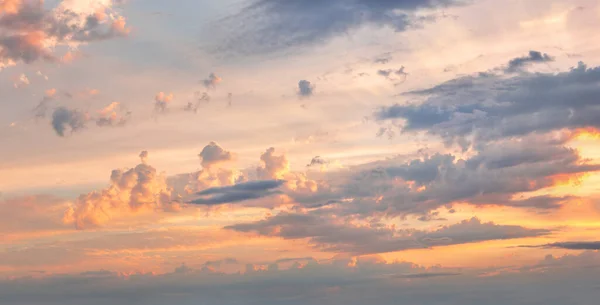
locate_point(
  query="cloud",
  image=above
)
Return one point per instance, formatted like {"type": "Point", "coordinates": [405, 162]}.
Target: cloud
{"type": "Point", "coordinates": [305, 88]}
{"type": "Point", "coordinates": [273, 167]}
{"type": "Point", "coordinates": [486, 107]}
{"type": "Point", "coordinates": [212, 81]}
{"type": "Point", "coordinates": [64, 119]}
{"type": "Point", "coordinates": [317, 161]}
{"type": "Point", "coordinates": [505, 173]}
{"type": "Point", "coordinates": [238, 192]}
{"type": "Point", "coordinates": [338, 234]}
{"type": "Point", "coordinates": [572, 245]}
{"type": "Point", "coordinates": [353, 281]}
{"type": "Point", "coordinates": [73, 120]}
{"type": "Point", "coordinates": [272, 25]}
{"type": "Point", "coordinates": [213, 154]}
{"type": "Point", "coordinates": [162, 101]}
{"type": "Point", "coordinates": [113, 114]}
{"type": "Point", "coordinates": [130, 190]}
{"type": "Point", "coordinates": [31, 32]}
{"type": "Point", "coordinates": [388, 72]}
{"type": "Point", "coordinates": [21, 81]}
{"type": "Point", "coordinates": [519, 63]}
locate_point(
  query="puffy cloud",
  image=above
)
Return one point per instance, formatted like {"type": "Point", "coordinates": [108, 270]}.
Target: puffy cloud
{"type": "Point", "coordinates": [273, 25]}
{"type": "Point", "coordinates": [519, 63]}
{"type": "Point", "coordinates": [212, 81]}
{"type": "Point", "coordinates": [487, 107]}
{"type": "Point", "coordinates": [162, 101]}
{"type": "Point", "coordinates": [112, 115]}
{"type": "Point", "coordinates": [305, 88]}
{"type": "Point", "coordinates": [130, 190]}
{"type": "Point", "coordinates": [30, 31]}
{"type": "Point", "coordinates": [337, 234]}
{"type": "Point", "coordinates": [388, 72]}
{"type": "Point", "coordinates": [21, 81]}
{"type": "Point", "coordinates": [238, 192]}
{"type": "Point", "coordinates": [213, 154]}
{"type": "Point", "coordinates": [64, 119]}
{"type": "Point", "coordinates": [273, 167]}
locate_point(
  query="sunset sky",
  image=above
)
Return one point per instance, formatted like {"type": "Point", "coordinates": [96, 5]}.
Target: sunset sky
{"type": "Point", "coordinates": [310, 152]}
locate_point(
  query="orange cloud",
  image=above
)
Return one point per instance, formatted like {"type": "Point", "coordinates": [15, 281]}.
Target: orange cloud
{"type": "Point", "coordinates": [130, 191]}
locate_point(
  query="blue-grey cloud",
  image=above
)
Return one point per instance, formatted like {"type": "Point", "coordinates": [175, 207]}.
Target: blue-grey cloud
{"type": "Point", "coordinates": [64, 119]}
{"type": "Point", "coordinates": [331, 234]}
{"type": "Point", "coordinates": [238, 192]}
{"type": "Point", "coordinates": [273, 25]}
{"type": "Point", "coordinates": [519, 63]}
{"type": "Point", "coordinates": [485, 107]}
{"type": "Point", "coordinates": [305, 88]}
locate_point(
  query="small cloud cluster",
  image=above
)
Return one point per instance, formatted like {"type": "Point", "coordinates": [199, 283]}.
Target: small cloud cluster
{"type": "Point", "coordinates": [21, 81]}
{"type": "Point", "coordinates": [112, 115]}
{"type": "Point", "coordinates": [162, 101]}
{"type": "Point", "coordinates": [30, 32]}
{"type": "Point", "coordinates": [212, 81]}
{"type": "Point", "coordinates": [65, 119]}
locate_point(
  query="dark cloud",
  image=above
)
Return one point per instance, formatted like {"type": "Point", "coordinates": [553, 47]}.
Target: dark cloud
{"type": "Point", "coordinates": [212, 81]}
{"type": "Point", "coordinates": [273, 25]}
{"type": "Point", "coordinates": [213, 154]}
{"type": "Point", "coordinates": [519, 63]}
{"type": "Point", "coordinates": [305, 88]}
{"type": "Point", "coordinates": [64, 119]}
{"type": "Point", "coordinates": [317, 161]}
{"type": "Point", "coordinates": [425, 275]}
{"type": "Point", "coordinates": [334, 234]}
{"type": "Point", "coordinates": [238, 192]}
{"type": "Point", "coordinates": [388, 72]}
{"type": "Point", "coordinates": [572, 245]}
{"type": "Point", "coordinates": [486, 107]}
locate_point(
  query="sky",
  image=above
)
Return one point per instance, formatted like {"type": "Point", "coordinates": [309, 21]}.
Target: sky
{"type": "Point", "coordinates": [299, 152]}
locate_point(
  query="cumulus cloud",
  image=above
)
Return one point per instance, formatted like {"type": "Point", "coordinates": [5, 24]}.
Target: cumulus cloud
{"type": "Point", "coordinates": [130, 190]}
{"type": "Point", "coordinates": [305, 88]}
{"type": "Point", "coordinates": [273, 25]}
{"type": "Point", "coordinates": [31, 31]}
{"type": "Point", "coordinates": [213, 154]}
{"type": "Point", "coordinates": [273, 166]}
{"type": "Point", "coordinates": [519, 63]}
